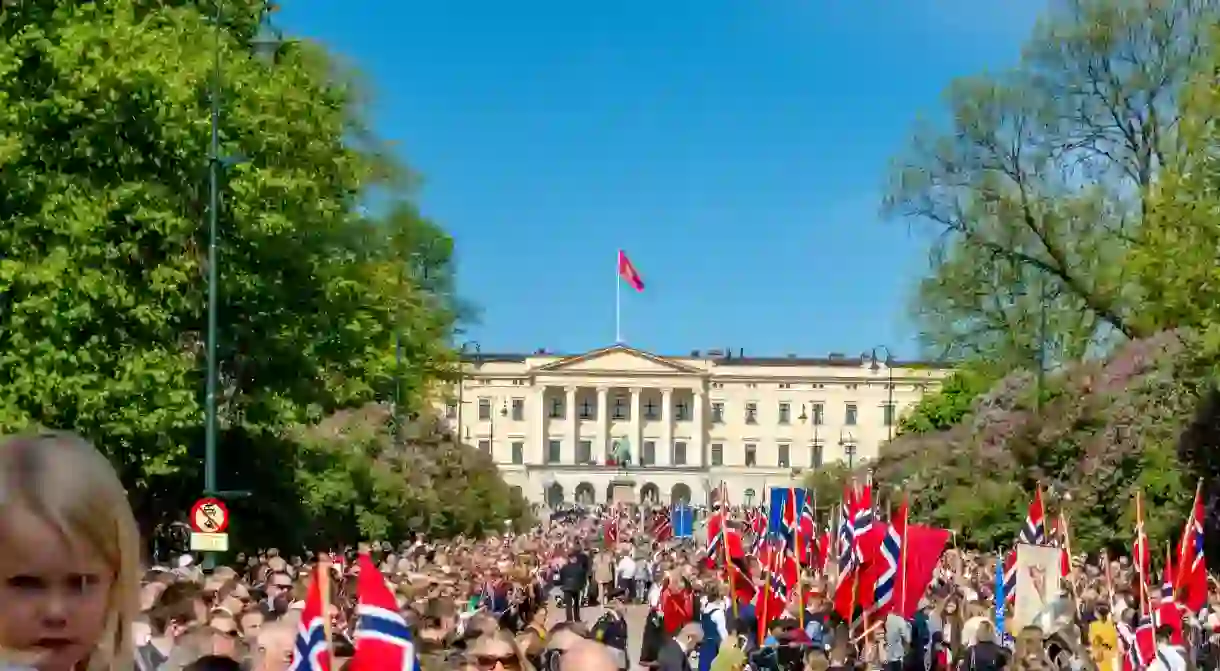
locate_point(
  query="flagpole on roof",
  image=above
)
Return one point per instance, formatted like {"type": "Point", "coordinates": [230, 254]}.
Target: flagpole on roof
{"type": "Point", "coordinates": [618, 299]}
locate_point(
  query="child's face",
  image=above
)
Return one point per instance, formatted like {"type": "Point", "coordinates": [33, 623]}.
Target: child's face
{"type": "Point", "coordinates": [55, 592]}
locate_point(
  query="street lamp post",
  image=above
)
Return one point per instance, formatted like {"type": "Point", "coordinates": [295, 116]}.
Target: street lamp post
{"type": "Point", "coordinates": [491, 442]}
{"type": "Point", "coordinates": [889, 378]}
{"type": "Point", "coordinates": [478, 353]}
{"type": "Point", "coordinates": [816, 418]}
{"type": "Point", "coordinates": [848, 443]}
{"type": "Point", "coordinates": [266, 39]}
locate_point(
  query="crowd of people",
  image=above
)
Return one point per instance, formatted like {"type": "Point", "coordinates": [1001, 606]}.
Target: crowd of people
{"type": "Point", "coordinates": [75, 596]}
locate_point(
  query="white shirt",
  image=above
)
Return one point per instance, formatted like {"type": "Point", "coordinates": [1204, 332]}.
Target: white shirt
{"type": "Point", "coordinates": [1168, 658]}
{"type": "Point", "coordinates": [654, 596]}
{"type": "Point", "coordinates": [626, 569]}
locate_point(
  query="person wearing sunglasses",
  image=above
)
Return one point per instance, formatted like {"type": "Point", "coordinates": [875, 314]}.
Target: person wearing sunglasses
{"type": "Point", "coordinates": [497, 652]}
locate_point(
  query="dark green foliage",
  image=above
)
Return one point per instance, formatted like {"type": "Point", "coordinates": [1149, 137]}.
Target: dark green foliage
{"type": "Point", "coordinates": [1105, 429]}
{"type": "Point", "coordinates": [104, 134]}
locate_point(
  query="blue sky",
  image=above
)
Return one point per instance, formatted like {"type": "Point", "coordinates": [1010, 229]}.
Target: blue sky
{"type": "Point", "coordinates": [737, 150]}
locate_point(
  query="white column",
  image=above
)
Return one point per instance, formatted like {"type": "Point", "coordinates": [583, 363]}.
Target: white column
{"type": "Point", "coordinates": [698, 431]}
{"type": "Point", "coordinates": [573, 422]}
{"type": "Point", "coordinates": [535, 437]}
{"type": "Point", "coordinates": [601, 448]}
{"type": "Point", "coordinates": [667, 428]}
{"type": "Point", "coordinates": [637, 424]}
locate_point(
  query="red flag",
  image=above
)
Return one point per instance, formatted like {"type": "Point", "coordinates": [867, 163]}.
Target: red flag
{"type": "Point", "coordinates": [383, 641]}
{"type": "Point", "coordinates": [628, 272]}
{"type": "Point", "coordinates": [923, 549]}
{"type": "Point", "coordinates": [312, 649]}
{"type": "Point", "coordinates": [1190, 584]}
{"type": "Point", "coordinates": [677, 608]}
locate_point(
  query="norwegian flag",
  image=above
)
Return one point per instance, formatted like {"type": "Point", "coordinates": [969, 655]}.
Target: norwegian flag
{"type": "Point", "coordinates": [891, 553]}
{"type": "Point", "coordinates": [1141, 555]}
{"type": "Point", "coordinates": [1190, 582]}
{"type": "Point", "coordinates": [383, 641]}
{"type": "Point", "coordinates": [863, 520]}
{"type": "Point", "coordinates": [662, 525]}
{"type": "Point", "coordinates": [611, 531]}
{"type": "Point", "coordinates": [1033, 533]}
{"type": "Point", "coordinates": [1138, 645]}
{"type": "Point", "coordinates": [1061, 538]}
{"type": "Point", "coordinates": [1168, 613]}
{"type": "Point", "coordinates": [807, 552]}
{"type": "Point", "coordinates": [847, 532]}
{"type": "Point", "coordinates": [311, 652]}
{"type": "Point", "coordinates": [719, 531]}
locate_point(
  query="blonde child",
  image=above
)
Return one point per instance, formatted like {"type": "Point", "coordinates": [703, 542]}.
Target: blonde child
{"type": "Point", "coordinates": [69, 569]}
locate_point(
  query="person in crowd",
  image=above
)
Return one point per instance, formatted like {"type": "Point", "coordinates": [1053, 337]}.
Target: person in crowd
{"type": "Point", "coordinates": [674, 654]}
{"type": "Point", "coordinates": [611, 630]}
{"type": "Point", "coordinates": [1169, 656]}
{"type": "Point", "coordinates": [572, 584]}
{"type": "Point", "coordinates": [603, 572]}
{"type": "Point", "coordinates": [985, 654]}
{"type": "Point", "coordinates": [897, 640]}
{"type": "Point", "coordinates": [275, 643]}
{"type": "Point", "coordinates": [498, 651]}
{"type": "Point", "coordinates": [70, 570]}
{"type": "Point", "coordinates": [713, 619]}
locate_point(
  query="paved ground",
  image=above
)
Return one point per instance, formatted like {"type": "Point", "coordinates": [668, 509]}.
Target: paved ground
{"type": "Point", "coordinates": [636, 615]}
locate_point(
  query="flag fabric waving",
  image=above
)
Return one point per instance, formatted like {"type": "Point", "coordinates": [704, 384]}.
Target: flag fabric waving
{"type": "Point", "coordinates": [1032, 533]}
{"type": "Point", "coordinates": [1190, 581]}
{"type": "Point", "coordinates": [891, 564]}
{"type": "Point", "coordinates": [311, 652]}
{"type": "Point", "coordinates": [627, 271]}
{"type": "Point", "coordinates": [383, 641]}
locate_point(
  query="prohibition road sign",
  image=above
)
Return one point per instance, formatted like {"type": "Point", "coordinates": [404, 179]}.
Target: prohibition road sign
{"type": "Point", "coordinates": [209, 516]}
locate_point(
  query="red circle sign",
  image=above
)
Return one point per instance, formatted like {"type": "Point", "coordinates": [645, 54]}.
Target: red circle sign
{"type": "Point", "coordinates": [209, 516]}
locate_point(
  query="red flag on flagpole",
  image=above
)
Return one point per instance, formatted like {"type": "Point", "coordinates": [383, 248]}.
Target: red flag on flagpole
{"type": "Point", "coordinates": [628, 272]}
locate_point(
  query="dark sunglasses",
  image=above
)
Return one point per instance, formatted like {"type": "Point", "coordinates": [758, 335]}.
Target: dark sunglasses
{"type": "Point", "coordinates": [490, 661]}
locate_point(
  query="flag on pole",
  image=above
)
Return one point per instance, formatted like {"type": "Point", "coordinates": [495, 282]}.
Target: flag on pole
{"type": "Point", "coordinates": [627, 271]}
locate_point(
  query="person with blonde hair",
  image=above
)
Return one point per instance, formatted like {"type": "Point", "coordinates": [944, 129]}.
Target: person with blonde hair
{"type": "Point", "coordinates": [70, 570]}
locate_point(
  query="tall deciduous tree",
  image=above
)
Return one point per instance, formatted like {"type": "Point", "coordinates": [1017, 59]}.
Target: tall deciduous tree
{"type": "Point", "coordinates": [104, 153]}
{"type": "Point", "coordinates": [1036, 190]}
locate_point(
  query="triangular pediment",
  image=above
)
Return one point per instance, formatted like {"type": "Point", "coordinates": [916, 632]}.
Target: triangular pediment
{"type": "Point", "coordinates": [618, 359]}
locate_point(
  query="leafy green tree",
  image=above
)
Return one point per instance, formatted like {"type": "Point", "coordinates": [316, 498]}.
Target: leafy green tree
{"type": "Point", "coordinates": [950, 404]}
{"type": "Point", "coordinates": [1036, 189]}
{"type": "Point", "coordinates": [324, 306]}
{"type": "Point", "coordinates": [1106, 429]}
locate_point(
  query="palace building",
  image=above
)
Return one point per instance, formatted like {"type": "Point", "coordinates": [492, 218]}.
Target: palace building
{"type": "Point", "coordinates": [556, 424]}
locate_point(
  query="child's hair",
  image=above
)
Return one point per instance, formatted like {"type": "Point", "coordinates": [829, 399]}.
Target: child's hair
{"type": "Point", "coordinates": [65, 481]}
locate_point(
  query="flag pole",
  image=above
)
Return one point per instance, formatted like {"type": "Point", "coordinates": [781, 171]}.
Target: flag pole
{"type": "Point", "coordinates": [618, 301]}
{"type": "Point", "coordinates": [798, 514]}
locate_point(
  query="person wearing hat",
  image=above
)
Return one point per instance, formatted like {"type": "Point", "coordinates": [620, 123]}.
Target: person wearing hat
{"type": "Point", "coordinates": [611, 629]}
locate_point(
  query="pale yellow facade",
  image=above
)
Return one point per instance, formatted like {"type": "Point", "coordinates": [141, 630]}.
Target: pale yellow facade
{"type": "Point", "coordinates": [550, 422]}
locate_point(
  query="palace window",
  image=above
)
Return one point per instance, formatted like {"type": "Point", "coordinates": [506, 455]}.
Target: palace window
{"type": "Point", "coordinates": [620, 408]}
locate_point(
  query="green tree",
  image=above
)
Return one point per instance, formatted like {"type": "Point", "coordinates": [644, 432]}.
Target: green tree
{"type": "Point", "coordinates": [1036, 189]}
{"type": "Point", "coordinates": [950, 404]}
{"type": "Point", "coordinates": [104, 135]}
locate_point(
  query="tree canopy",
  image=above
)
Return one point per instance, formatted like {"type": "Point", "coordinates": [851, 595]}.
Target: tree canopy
{"type": "Point", "coordinates": [1074, 199]}
{"type": "Point", "coordinates": [104, 152]}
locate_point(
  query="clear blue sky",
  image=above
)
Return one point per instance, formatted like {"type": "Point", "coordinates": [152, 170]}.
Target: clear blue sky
{"type": "Point", "coordinates": [735, 148]}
